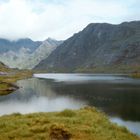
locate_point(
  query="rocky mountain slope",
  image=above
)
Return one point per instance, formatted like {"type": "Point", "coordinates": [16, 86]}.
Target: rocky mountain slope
{"type": "Point", "coordinates": [25, 53]}
{"type": "Point", "coordinates": [26, 43]}
{"type": "Point", "coordinates": [99, 45]}
{"type": "Point", "coordinates": [3, 68]}
{"type": "Point", "coordinates": [11, 52]}
{"type": "Point", "coordinates": [41, 53]}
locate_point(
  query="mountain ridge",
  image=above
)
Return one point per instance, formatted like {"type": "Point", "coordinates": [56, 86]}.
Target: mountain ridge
{"type": "Point", "coordinates": [15, 45]}
{"type": "Point", "coordinates": [25, 53]}
{"type": "Point", "coordinates": [97, 45]}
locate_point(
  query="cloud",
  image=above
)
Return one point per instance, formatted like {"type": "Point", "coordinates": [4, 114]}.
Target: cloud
{"type": "Point", "coordinates": [39, 19]}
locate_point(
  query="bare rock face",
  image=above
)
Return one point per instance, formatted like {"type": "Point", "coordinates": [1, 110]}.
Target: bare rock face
{"type": "Point", "coordinates": [98, 45]}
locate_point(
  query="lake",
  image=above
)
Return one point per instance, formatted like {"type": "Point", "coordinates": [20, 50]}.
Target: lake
{"type": "Point", "coordinates": [117, 95]}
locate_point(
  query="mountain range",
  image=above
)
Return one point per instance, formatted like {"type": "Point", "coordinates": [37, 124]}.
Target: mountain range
{"type": "Point", "coordinates": [99, 46]}
{"type": "Point", "coordinates": [25, 53]}
{"type": "Point", "coordinates": [41, 53]}
{"type": "Point", "coordinates": [16, 45]}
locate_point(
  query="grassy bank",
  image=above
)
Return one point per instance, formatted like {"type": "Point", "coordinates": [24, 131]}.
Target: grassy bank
{"type": "Point", "coordinates": [113, 69]}
{"type": "Point", "coordinates": [9, 77]}
{"type": "Point", "coordinates": [136, 75]}
{"type": "Point", "coordinates": [83, 124]}
{"type": "Point", "coordinates": [110, 69]}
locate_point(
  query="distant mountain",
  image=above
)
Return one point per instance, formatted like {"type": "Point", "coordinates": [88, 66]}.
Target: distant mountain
{"type": "Point", "coordinates": [11, 52]}
{"type": "Point", "coordinates": [41, 53]}
{"type": "Point", "coordinates": [25, 53]}
{"type": "Point", "coordinates": [7, 45]}
{"type": "Point", "coordinates": [96, 47]}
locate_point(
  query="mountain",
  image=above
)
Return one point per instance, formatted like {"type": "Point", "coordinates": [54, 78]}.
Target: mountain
{"type": "Point", "coordinates": [3, 68]}
{"type": "Point", "coordinates": [42, 52]}
{"type": "Point", "coordinates": [96, 47]}
{"type": "Point", "coordinates": [25, 53]}
{"type": "Point", "coordinates": [7, 45]}
{"type": "Point", "coordinates": [12, 52]}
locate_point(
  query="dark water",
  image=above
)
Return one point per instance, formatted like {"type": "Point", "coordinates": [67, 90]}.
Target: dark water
{"type": "Point", "coordinates": [118, 96]}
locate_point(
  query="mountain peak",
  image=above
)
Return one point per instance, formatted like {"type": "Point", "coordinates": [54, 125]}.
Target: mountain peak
{"type": "Point", "coordinates": [49, 38]}
{"type": "Point", "coordinates": [97, 45]}
{"type": "Point", "coordinates": [24, 39]}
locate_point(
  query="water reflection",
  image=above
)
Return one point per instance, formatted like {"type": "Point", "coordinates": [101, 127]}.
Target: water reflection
{"type": "Point", "coordinates": [36, 96]}
{"type": "Point", "coordinates": [114, 99]}
{"type": "Point", "coordinates": [118, 96]}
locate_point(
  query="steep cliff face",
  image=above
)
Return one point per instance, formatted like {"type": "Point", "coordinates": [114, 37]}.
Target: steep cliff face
{"type": "Point", "coordinates": [97, 45]}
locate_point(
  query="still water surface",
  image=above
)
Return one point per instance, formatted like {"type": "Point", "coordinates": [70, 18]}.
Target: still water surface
{"type": "Point", "coordinates": [117, 95]}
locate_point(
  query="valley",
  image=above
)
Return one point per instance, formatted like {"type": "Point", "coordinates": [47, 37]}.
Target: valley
{"type": "Point", "coordinates": [50, 88]}
{"type": "Point", "coordinates": [25, 53]}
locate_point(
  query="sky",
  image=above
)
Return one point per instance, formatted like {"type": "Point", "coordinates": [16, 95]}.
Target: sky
{"type": "Point", "coordinates": [60, 19]}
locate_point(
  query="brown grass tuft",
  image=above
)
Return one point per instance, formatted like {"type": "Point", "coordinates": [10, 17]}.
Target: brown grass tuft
{"type": "Point", "coordinates": [59, 132]}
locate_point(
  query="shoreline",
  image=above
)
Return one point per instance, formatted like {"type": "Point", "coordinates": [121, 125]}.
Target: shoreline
{"type": "Point", "coordinates": [8, 80]}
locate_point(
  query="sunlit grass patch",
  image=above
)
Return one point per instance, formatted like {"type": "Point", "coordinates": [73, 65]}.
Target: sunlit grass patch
{"type": "Point", "coordinates": [136, 75]}
{"type": "Point", "coordinates": [67, 113]}
{"type": "Point", "coordinates": [83, 124]}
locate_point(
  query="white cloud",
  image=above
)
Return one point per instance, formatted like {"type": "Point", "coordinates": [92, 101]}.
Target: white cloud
{"type": "Point", "coordinates": [39, 19]}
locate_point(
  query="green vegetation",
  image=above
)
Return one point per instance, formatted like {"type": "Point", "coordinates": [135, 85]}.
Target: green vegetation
{"type": "Point", "coordinates": [110, 69]}
{"type": "Point", "coordinates": [135, 75]}
{"type": "Point", "coordinates": [9, 77]}
{"type": "Point", "coordinates": [83, 124]}
{"type": "Point", "coordinates": [6, 88]}
{"type": "Point", "coordinates": [123, 69]}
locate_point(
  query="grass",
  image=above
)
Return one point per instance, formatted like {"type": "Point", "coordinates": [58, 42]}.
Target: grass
{"type": "Point", "coordinates": [83, 124]}
{"type": "Point", "coordinates": [7, 80]}
{"type": "Point", "coordinates": [135, 75]}
{"type": "Point", "coordinates": [6, 88]}
{"type": "Point", "coordinates": [110, 69]}
{"type": "Point", "coordinates": [113, 69]}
